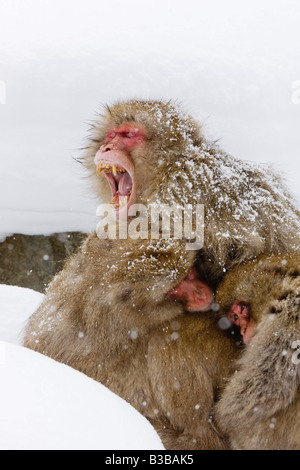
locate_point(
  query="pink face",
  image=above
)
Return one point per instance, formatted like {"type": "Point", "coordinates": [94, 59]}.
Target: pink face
{"type": "Point", "coordinates": [195, 295]}
{"type": "Point", "coordinates": [240, 315]}
{"type": "Point", "coordinates": [115, 161]}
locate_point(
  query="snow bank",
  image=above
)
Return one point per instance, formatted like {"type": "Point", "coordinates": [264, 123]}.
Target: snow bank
{"type": "Point", "coordinates": [47, 405]}
{"type": "Point", "coordinates": [16, 306]}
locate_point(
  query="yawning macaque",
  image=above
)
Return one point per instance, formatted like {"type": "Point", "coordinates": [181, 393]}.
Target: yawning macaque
{"type": "Point", "coordinates": [128, 312]}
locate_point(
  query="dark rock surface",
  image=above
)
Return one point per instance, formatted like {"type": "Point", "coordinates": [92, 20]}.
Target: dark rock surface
{"type": "Point", "coordinates": [32, 260]}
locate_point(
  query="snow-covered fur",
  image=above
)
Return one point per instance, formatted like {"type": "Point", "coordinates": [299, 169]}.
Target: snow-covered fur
{"type": "Point", "coordinates": [248, 209]}
{"type": "Point", "coordinates": [106, 314]}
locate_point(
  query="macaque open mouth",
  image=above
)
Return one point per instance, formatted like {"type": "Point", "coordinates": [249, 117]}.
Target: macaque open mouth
{"type": "Point", "coordinates": [120, 182]}
{"type": "Point", "coordinates": [114, 159]}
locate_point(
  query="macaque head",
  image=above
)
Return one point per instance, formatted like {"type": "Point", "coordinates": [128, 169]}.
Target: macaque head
{"type": "Point", "coordinates": [133, 148]}
{"type": "Point", "coordinates": [193, 293]}
{"type": "Point", "coordinates": [115, 159]}
{"type": "Point", "coordinates": [247, 292]}
{"type": "Point", "coordinates": [240, 315]}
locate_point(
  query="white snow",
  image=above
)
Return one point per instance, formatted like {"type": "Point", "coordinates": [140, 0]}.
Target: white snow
{"type": "Point", "coordinates": [16, 306]}
{"type": "Point", "coordinates": [47, 405]}
{"type": "Point", "coordinates": [235, 65]}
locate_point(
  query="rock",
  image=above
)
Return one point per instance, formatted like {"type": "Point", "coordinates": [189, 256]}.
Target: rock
{"type": "Point", "coordinates": [32, 260]}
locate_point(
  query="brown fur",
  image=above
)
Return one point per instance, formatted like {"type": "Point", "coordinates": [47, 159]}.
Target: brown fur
{"type": "Point", "coordinates": [114, 324]}
{"type": "Point", "coordinates": [106, 313]}
{"type": "Point", "coordinates": [248, 211]}
{"type": "Point", "coordinates": [260, 407]}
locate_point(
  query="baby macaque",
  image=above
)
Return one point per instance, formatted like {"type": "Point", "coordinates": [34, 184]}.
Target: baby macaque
{"type": "Point", "coordinates": [260, 407]}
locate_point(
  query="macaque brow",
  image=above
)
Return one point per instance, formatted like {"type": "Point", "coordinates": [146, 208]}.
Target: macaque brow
{"type": "Point", "coordinates": [129, 131]}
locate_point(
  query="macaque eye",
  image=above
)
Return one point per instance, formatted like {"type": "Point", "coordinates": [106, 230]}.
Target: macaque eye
{"type": "Point", "coordinates": [127, 135]}
{"type": "Point", "coordinates": [235, 317]}
{"type": "Point", "coordinates": [245, 306]}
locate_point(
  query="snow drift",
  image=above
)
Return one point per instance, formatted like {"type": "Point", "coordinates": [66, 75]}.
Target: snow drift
{"type": "Point", "coordinates": [46, 405]}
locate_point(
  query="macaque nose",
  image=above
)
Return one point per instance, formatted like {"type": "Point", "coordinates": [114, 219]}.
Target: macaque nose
{"type": "Point", "coordinates": [105, 148]}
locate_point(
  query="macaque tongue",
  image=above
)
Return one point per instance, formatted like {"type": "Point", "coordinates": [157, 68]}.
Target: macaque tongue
{"type": "Point", "coordinates": [125, 184]}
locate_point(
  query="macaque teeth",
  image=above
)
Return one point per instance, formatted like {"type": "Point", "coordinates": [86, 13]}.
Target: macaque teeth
{"type": "Point", "coordinates": [115, 205]}
{"type": "Point", "coordinates": [104, 165]}
{"type": "Point", "coordinates": [125, 199]}
{"type": "Point", "coordinates": [117, 169]}
{"type": "Point", "coordinates": [107, 168]}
